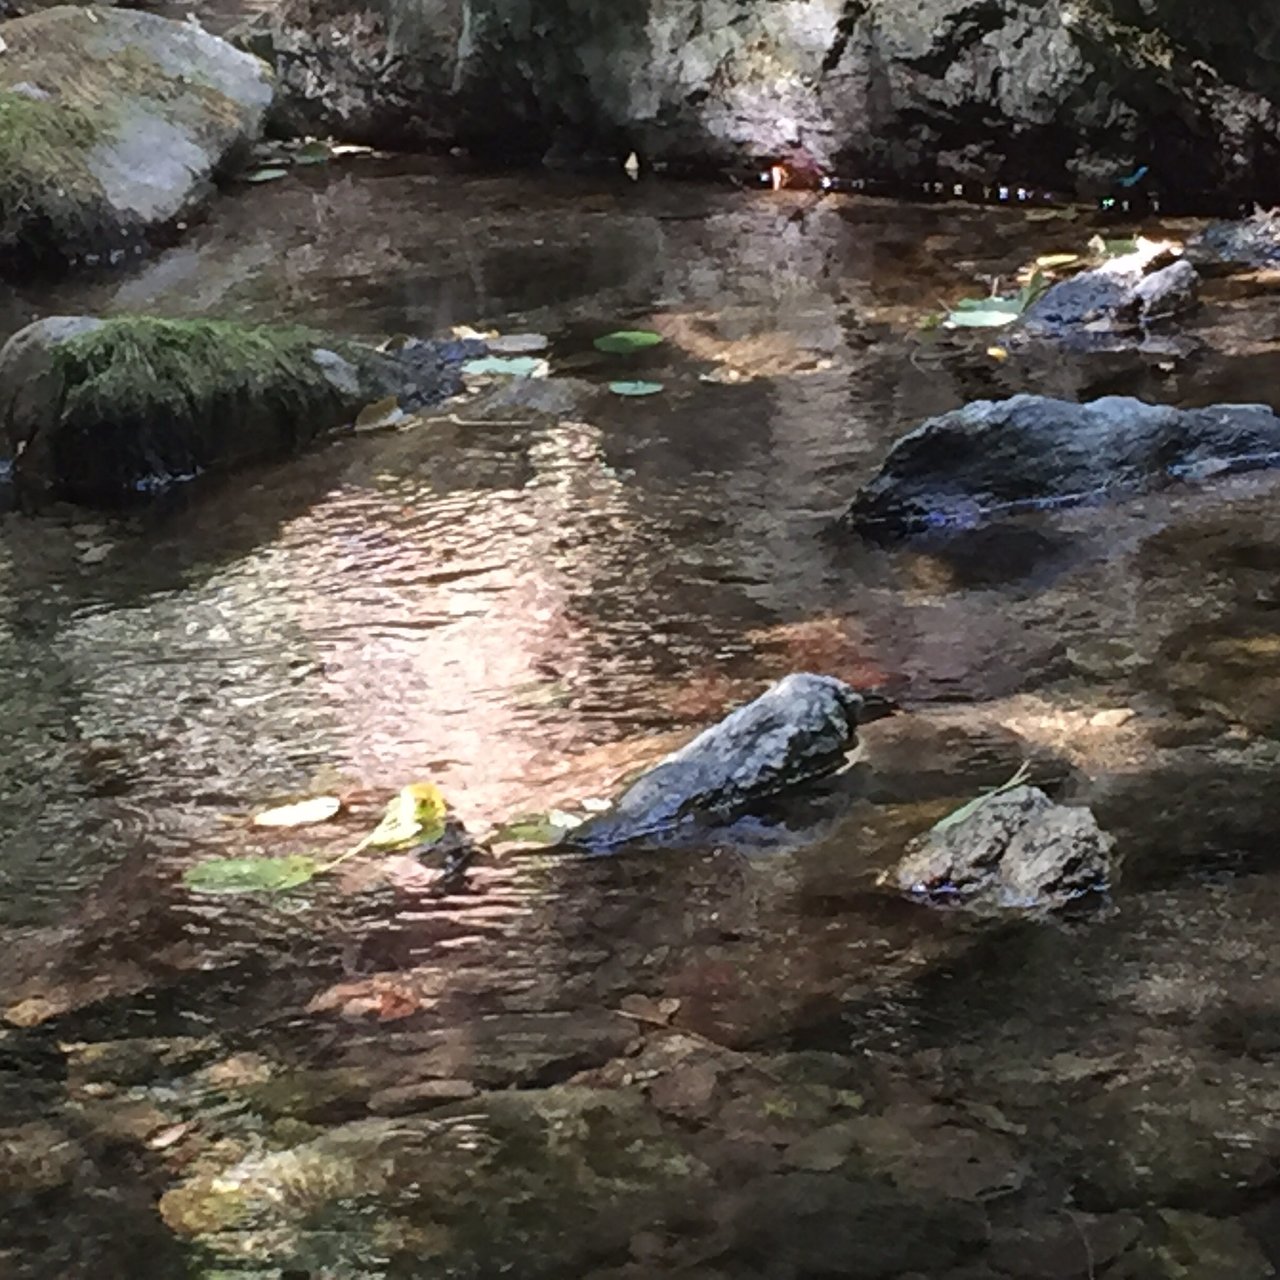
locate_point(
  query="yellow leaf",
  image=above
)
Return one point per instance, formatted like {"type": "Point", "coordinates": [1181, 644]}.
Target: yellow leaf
{"type": "Point", "coordinates": [416, 813]}
{"type": "Point", "coordinates": [997, 353]}
{"type": "Point", "coordinates": [305, 812]}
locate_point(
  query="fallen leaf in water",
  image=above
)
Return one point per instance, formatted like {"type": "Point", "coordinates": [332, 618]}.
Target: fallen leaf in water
{"type": "Point", "coordinates": [416, 814]}
{"type": "Point", "coordinates": [1051, 260]}
{"type": "Point", "coordinates": [631, 166]}
{"type": "Point", "coordinates": [507, 367]}
{"type": "Point", "coordinates": [537, 828]}
{"type": "Point", "coordinates": [517, 344]}
{"type": "Point", "coordinates": [301, 814]}
{"type": "Point", "coordinates": [250, 875]}
{"type": "Point", "coordinates": [166, 1138]}
{"type": "Point", "coordinates": [380, 415]}
{"type": "Point", "coordinates": [265, 175]}
{"type": "Point", "coordinates": [624, 341]}
{"type": "Point", "coordinates": [32, 1011]}
{"type": "Point", "coordinates": [635, 388]}
{"type": "Point", "coordinates": [313, 152]}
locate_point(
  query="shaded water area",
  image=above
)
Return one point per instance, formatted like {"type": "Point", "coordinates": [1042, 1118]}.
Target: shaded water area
{"type": "Point", "coordinates": [717, 1061]}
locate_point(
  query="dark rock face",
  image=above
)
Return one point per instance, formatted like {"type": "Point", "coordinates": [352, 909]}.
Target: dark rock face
{"type": "Point", "coordinates": [1013, 852]}
{"type": "Point", "coordinates": [995, 457]}
{"type": "Point", "coordinates": [800, 729]}
{"type": "Point", "coordinates": [1124, 295]}
{"type": "Point", "coordinates": [1066, 94]}
{"type": "Point", "coordinates": [104, 412]}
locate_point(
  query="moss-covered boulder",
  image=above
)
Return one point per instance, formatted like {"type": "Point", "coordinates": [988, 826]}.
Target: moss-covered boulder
{"type": "Point", "coordinates": [102, 412]}
{"type": "Point", "coordinates": [113, 122]}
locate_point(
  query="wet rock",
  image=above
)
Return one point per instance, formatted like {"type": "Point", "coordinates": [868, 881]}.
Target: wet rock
{"type": "Point", "coordinates": [1160, 1141]}
{"type": "Point", "coordinates": [1191, 1246]}
{"type": "Point", "coordinates": [1242, 244]}
{"type": "Point", "coordinates": [137, 1061]}
{"type": "Point", "coordinates": [404, 1100]}
{"type": "Point", "coordinates": [955, 89]}
{"type": "Point", "coordinates": [36, 1157]}
{"type": "Point", "coordinates": [1067, 1246]}
{"type": "Point", "coordinates": [112, 123]}
{"type": "Point", "coordinates": [1012, 851]}
{"type": "Point", "coordinates": [530, 1182]}
{"type": "Point", "coordinates": [811, 1225]}
{"type": "Point", "coordinates": [101, 412]}
{"type": "Point", "coordinates": [996, 457]}
{"type": "Point", "coordinates": [802, 728]}
{"type": "Point", "coordinates": [1124, 294]}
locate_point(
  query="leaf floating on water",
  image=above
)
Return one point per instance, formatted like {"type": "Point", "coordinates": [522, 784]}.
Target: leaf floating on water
{"type": "Point", "coordinates": [538, 828]}
{"type": "Point", "coordinates": [382, 413]}
{"type": "Point", "coordinates": [635, 388]}
{"type": "Point", "coordinates": [301, 814]}
{"type": "Point", "coordinates": [631, 166]}
{"type": "Point", "coordinates": [508, 366]}
{"type": "Point", "coordinates": [416, 814]}
{"type": "Point", "coordinates": [265, 175]}
{"type": "Point", "coordinates": [518, 344]}
{"type": "Point", "coordinates": [623, 342]}
{"type": "Point", "coordinates": [966, 810]}
{"type": "Point", "coordinates": [250, 875]}
{"type": "Point", "coordinates": [1051, 260]}
{"type": "Point", "coordinates": [314, 152]}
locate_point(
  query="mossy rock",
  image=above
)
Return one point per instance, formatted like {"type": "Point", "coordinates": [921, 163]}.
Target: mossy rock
{"type": "Point", "coordinates": [104, 412]}
{"type": "Point", "coordinates": [113, 122]}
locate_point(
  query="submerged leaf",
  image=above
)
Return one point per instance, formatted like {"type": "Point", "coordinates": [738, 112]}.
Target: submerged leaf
{"type": "Point", "coordinates": [635, 388]}
{"type": "Point", "coordinates": [316, 809]}
{"type": "Point", "coordinates": [508, 366]}
{"type": "Point", "coordinates": [265, 175]}
{"type": "Point", "coordinates": [624, 341]}
{"type": "Point", "coordinates": [538, 828]}
{"type": "Point", "coordinates": [416, 814]}
{"type": "Point", "coordinates": [250, 875]}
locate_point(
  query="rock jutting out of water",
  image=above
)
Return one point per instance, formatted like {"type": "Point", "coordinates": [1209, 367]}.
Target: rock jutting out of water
{"type": "Point", "coordinates": [1122, 297]}
{"type": "Point", "coordinates": [103, 412]}
{"type": "Point", "coordinates": [995, 457]}
{"type": "Point", "coordinates": [113, 123]}
{"type": "Point", "coordinates": [1242, 244]}
{"type": "Point", "coordinates": [802, 728]}
{"type": "Point", "coordinates": [1013, 851]}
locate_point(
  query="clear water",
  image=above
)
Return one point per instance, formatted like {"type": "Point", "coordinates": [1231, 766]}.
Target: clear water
{"type": "Point", "coordinates": [804, 1076]}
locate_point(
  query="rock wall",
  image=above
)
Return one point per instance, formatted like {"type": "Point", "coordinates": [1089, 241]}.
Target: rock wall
{"type": "Point", "coordinates": [1070, 94]}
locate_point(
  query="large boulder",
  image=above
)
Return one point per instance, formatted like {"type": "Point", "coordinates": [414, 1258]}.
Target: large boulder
{"type": "Point", "coordinates": [801, 728]}
{"type": "Point", "coordinates": [101, 412]}
{"type": "Point", "coordinates": [996, 457]}
{"type": "Point", "coordinates": [112, 123]}
{"type": "Point", "coordinates": [1023, 91]}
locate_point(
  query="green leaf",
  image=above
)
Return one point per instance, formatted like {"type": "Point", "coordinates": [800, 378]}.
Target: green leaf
{"type": "Point", "coordinates": [508, 366]}
{"type": "Point", "coordinates": [975, 804]}
{"type": "Point", "coordinates": [265, 175]}
{"type": "Point", "coordinates": [250, 875]}
{"type": "Point", "coordinates": [538, 828]}
{"type": "Point", "coordinates": [635, 388]}
{"type": "Point", "coordinates": [416, 815]}
{"type": "Point", "coordinates": [986, 318]}
{"type": "Point", "coordinates": [624, 341]}
{"type": "Point", "coordinates": [312, 153]}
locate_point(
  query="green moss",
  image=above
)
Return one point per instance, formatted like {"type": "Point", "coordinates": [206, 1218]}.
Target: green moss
{"type": "Point", "coordinates": [136, 367]}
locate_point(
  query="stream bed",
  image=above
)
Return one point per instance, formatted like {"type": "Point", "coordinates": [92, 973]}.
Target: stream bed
{"type": "Point", "coordinates": [712, 1062]}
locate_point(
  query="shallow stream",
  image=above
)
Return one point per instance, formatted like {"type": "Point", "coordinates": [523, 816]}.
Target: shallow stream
{"type": "Point", "coordinates": [712, 1062]}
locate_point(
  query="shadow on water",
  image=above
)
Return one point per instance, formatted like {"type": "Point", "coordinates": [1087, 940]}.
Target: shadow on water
{"type": "Point", "coordinates": [739, 1059]}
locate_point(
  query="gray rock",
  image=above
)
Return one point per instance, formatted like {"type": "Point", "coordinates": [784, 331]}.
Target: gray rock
{"type": "Point", "coordinates": [1242, 244]}
{"type": "Point", "coordinates": [112, 123]}
{"type": "Point", "coordinates": [103, 412]}
{"type": "Point", "coordinates": [992, 458]}
{"type": "Point", "coordinates": [1012, 851]}
{"type": "Point", "coordinates": [802, 728]}
{"type": "Point", "coordinates": [945, 89]}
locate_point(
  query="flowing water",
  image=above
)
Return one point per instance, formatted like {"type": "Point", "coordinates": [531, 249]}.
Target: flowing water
{"type": "Point", "coordinates": [713, 1062]}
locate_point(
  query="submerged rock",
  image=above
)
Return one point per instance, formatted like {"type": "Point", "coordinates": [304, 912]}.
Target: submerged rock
{"type": "Point", "coordinates": [1012, 851]}
{"type": "Point", "coordinates": [113, 122]}
{"type": "Point", "coordinates": [802, 728]}
{"type": "Point", "coordinates": [101, 412]}
{"type": "Point", "coordinates": [993, 457]}
{"type": "Point", "coordinates": [1122, 296]}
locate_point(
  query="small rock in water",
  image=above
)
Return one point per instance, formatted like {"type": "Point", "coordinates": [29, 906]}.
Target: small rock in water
{"type": "Point", "coordinates": [1015, 850]}
{"type": "Point", "coordinates": [802, 728]}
